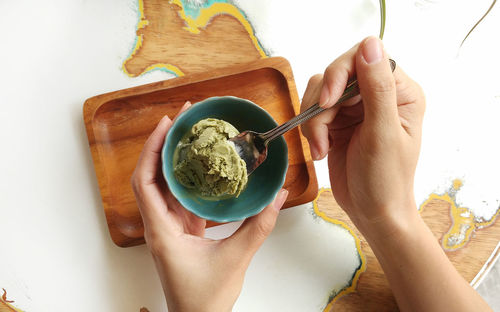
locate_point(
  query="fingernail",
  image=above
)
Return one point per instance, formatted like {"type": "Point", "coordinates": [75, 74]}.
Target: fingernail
{"type": "Point", "coordinates": [324, 97]}
{"type": "Point", "coordinates": [280, 199]}
{"type": "Point", "coordinates": [372, 50]}
{"type": "Point", "coordinates": [314, 152]}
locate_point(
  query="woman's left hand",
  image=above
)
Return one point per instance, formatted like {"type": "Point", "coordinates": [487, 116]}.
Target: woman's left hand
{"type": "Point", "coordinates": [197, 273]}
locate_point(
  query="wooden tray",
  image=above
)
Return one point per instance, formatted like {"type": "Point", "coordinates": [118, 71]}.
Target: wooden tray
{"type": "Point", "coordinates": [118, 124]}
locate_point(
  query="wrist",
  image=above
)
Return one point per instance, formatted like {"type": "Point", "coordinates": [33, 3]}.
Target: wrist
{"type": "Point", "coordinates": [198, 301]}
{"type": "Point", "coordinates": [400, 221]}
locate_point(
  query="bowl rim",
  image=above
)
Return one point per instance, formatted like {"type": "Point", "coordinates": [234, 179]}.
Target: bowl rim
{"type": "Point", "coordinates": [251, 213]}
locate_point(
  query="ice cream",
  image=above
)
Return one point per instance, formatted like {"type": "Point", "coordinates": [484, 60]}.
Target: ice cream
{"type": "Point", "coordinates": [205, 161]}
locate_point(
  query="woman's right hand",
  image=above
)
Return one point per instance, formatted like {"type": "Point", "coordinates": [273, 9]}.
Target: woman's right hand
{"type": "Point", "coordinates": [372, 140]}
{"type": "Point", "coordinates": [373, 144]}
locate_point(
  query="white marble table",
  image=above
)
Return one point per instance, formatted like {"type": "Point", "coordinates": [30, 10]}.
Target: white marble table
{"type": "Point", "coordinates": [56, 254]}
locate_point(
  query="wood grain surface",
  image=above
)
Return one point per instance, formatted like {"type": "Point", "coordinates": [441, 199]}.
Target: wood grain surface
{"type": "Point", "coordinates": [118, 124]}
{"type": "Point", "coordinates": [372, 292]}
{"type": "Point", "coordinates": [167, 39]}
{"type": "Point", "coordinates": [6, 305]}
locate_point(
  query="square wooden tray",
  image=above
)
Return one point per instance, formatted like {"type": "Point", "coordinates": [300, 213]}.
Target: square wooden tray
{"type": "Point", "coordinates": [118, 124]}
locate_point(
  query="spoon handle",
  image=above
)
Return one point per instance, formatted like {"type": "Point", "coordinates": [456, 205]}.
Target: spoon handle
{"type": "Point", "coordinates": [350, 91]}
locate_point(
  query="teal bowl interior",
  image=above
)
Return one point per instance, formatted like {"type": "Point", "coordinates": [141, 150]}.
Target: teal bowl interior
{"type": "Point", "coordinates": [263, 184]}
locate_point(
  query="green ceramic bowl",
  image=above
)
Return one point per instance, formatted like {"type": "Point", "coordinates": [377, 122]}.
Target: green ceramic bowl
{"type": "Point", "coordinates": [263, 184]}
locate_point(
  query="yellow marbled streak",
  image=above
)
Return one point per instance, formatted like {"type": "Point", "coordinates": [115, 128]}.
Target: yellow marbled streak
{"type": "Point", "coordinates": [362, 268]}
{"type": "Point", "coordinates": [193, 26]}
{"type": "Point", "coordinates": [5, 305]}
{"type": "Point", "coordinates": [464, 222]}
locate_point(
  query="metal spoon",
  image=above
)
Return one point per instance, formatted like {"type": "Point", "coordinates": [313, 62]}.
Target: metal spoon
{"type": "Point", "coordinates": [252, 146]}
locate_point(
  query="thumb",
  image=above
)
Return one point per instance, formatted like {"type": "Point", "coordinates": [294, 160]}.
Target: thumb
{"type": "Point", "coordinates": [376, 83]}
{"type": "Point", "coordinates": [252, 233]}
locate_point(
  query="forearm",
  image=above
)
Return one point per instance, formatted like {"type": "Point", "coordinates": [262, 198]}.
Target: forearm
{"type": "Point", "coordinates": [420, 274]}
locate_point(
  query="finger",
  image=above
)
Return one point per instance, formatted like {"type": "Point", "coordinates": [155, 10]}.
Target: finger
{"type": "Point", "coordinates": [311, 95]}
{"type": "Point", "coordinates": [148, 193]}
{"type": "Point", "coordinates": [316, 132]}
{"type": "Point", "coordinates": [191, 223]}
{"type": "Point", "coordinates": [316, 129]}
{"type": "Point", "coordinates": [184, 108]}
{"type": "Point", "coordinates": [376, 84]}
{"type": "Point", "coordinates": [149, 159]}
{"type": "Point", "coordinates": [336, 77]}
{"type": "Point", "coordinates": [348, 116]}
{"type": "Point", "coordinates": [408, 91]}
{"type": "Point", "coordinates": [411, 102]}
{"type": "Point", "coordinates": [333, 84]}
{"type": "Point", "coordinates": [252, 233]}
